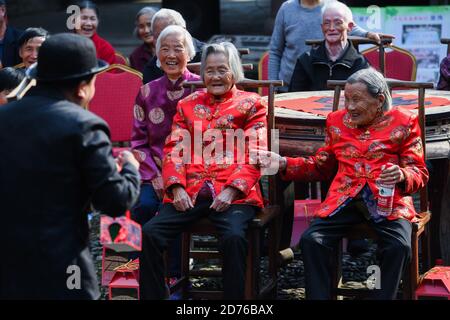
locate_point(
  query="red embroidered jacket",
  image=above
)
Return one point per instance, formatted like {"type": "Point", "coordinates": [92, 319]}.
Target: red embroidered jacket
{"type": "Point", "coordinates": [200, 112]}
{"type": "Point", "coordinates": [358, 155]}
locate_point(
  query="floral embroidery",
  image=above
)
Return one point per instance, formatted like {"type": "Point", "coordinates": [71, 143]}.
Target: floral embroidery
{"type": "Point", "coordinates": [335, 134]}
{"type": "Point", "coordinates": [382, 123]}
{"type": "Point", "coordinates": [349, 151]}
{"type": "Point", "coordinates": [175, 95]}
{"type": "Point", "coordinates": [347, 120]}
{"type": "Point", "coordinates": [202, 112]}
{"type": "Point", "coordinates": [225, 122]}
{"type": "Point", "coordinates": [345, 185]}
{"type": "Point", "coordinates": [416, 147]}
{"type": "Point", "coordinates": [156, 115]}
{"type": "Point", "coordinates": [245, 105]}
{"type": "Point", "coordinates": [139, 113]}
{"type": "Point", "coordinates": [173, 180]}
{"type": "Point", "coordinates": [399, 134]}
{"type": "Point", "coordinates": [139, 155]}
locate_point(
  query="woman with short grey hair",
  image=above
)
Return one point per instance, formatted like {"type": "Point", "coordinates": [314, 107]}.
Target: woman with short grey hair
{"type": "Point", "coordinates": [220, 184]}
{"type": "Point", "coordinates": [375, 158]}
{"type": "Point", "coordinates": [376, 84]}
{"type": "Point", "coordinates": [232, 55]}
{"type": "Point", "coordinates": [143, 31]}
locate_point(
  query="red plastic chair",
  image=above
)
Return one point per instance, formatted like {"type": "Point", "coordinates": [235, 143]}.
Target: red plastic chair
{"type": "Point", "coordinates": [263, 72]}
{"type": "Point", "coordinates": [115, 94]}
{"type": "Point", "coordinates": [399, 63]}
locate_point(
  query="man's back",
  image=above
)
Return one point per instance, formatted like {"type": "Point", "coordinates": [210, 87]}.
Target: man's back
{"type": "Point", "coordinates": [56, 159]}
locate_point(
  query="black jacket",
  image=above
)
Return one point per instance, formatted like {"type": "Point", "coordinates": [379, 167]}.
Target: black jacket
{"type": "Point", "coordinates": [55, 161]}
{"type": "Point", "coordinates": [152, 71]}
{"type": "Point", "coordinates": [11, 48]}
{"type": "Point", "coordinates": [314, 68]}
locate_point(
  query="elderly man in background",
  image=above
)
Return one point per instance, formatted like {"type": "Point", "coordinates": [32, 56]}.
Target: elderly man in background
{"type": "Point", "coordinates": [162, 19]}
{"type": "Point", "coordinates": [335, 58]}
{"type": "Point", "coordinates": [9, 49]}
{"type": "Point", "coordinates": [29, 43]}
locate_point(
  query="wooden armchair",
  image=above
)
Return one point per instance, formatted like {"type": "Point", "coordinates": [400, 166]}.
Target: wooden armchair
{"type": "Point", "coordinates": [420, 231]}
{"type": "Point", "coordinates": [265, 219]}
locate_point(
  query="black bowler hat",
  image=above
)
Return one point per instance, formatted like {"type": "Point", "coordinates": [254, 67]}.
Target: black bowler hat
{"type": "Point", "coordinates": [66, 56]}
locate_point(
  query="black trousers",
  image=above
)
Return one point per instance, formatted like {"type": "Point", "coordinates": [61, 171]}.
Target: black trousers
{"type": "Point", "coordinates": [320, 240]}
{"type": "Point", "coordinates": [160, 231]}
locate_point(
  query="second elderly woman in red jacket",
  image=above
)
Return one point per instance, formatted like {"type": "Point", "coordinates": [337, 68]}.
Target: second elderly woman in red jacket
{"type": "Point", "coordinates": [223, 187]}
{"type": "Point", "coordinates": [373, 148]}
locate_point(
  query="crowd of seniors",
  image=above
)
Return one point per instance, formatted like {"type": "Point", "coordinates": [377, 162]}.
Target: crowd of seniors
{"type": "Point", "coordinates": [162, 181]}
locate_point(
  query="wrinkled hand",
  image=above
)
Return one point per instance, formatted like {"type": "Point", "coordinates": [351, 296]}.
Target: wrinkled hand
{"type": "Point", "coordinates": [181, 199]}
{"type": "Point", "coordinates": [126, 157]}
{"type": "Point", "coordinates": [158, 186]}
{"type": "Point", "coordinates": [391, 175]}
{"type": "Point", "coordinates": [267, 159]}
{"type": "Point", "coordinates": [224, 200]}
{"type": "Point", "coordinates": [375, 36]}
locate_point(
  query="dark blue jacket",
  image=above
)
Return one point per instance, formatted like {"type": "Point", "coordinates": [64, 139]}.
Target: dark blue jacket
{"type": "Point", "coordinates": [56, 161]}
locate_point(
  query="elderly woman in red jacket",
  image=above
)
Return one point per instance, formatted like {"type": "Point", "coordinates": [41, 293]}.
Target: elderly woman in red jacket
{"type": "Point", "coordinates": [206, 174]}
{"type": "Point", "coordinates": [372, 147]}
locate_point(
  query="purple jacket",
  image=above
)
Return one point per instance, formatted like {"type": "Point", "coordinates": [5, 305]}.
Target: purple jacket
{"type": "Point", "coordinates": [444, 79]}
{"type": "Point", "coordinates": [153, 114]}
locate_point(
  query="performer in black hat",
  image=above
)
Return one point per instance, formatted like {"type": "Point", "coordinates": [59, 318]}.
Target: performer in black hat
{"type": "Point", "coordinates": [55, 161]}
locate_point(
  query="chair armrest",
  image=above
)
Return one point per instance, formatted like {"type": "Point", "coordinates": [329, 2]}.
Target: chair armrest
{"type": "Point", "coordinates": [265, 215]}
{"type": "Point", "coordinates": [421, 220]}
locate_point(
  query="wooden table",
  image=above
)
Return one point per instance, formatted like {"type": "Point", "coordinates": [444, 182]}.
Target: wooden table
{"type": "Point", "coordinates": [309, 129]}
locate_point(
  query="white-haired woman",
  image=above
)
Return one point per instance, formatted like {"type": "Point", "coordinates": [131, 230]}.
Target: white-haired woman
{"type": "Point", "coordinates": [153, 113]}
{"type": "Point", "coordinates": [143, 31]}
{"type": "Point", "coordinates": [162, 19]}
{"type": "Point", "coordinates": [371, 147]}
{"type": "Point", "coordinates": [217, 184]}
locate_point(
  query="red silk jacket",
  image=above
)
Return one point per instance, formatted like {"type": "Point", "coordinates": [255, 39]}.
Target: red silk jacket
{"type": "Point", "coordinates": [200, 112]}
{"type": "Point", "coordinates": [358, 155]}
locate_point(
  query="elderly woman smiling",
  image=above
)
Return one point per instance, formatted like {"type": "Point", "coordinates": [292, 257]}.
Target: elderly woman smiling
{"type": "Point", "coordinates": [369, 145]}
{"type": "Point", "coordinates": [153, 113]}
{"type": "Point", "coordinates": [219, 187]}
